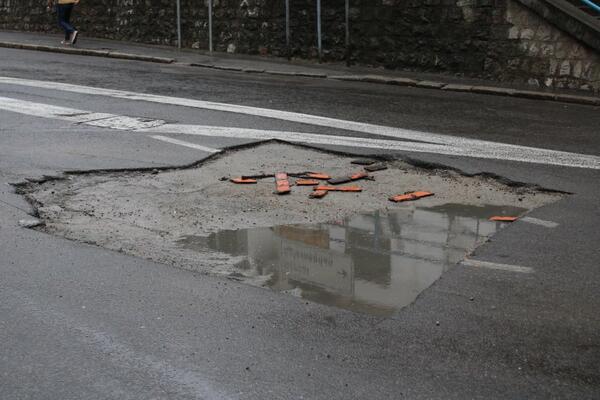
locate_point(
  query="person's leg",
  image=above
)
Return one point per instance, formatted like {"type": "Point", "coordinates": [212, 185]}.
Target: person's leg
{"type": "Point", "coordinates": [69, 11]}
{"type": "Point", "coordinates": [73, 35]}
{"type": "Point", "coordinates": [64, 16]}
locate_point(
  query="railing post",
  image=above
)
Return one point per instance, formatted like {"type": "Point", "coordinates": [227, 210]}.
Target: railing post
{"type": "Point", "coordinates": [179, 24]}
{"type": "Point", "coordinates": [347, 24]}
{"type": "Point", "coordinates": [287, 24]}
{"type": "Point", "coordinates": [348, 51]}
{"type": "Point", "coordinates": [319, 38]}
{"type": "Point", "coordinates": [210, 28]}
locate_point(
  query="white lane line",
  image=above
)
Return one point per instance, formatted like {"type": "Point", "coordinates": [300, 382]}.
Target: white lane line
{"type": "Point", "coordinates": [126, 123]}
{"type": "Point", "coordinates": [186, 144]}
{"type": "Point", "coordinates": [74, 115]}
{"type": "Point", "coordinates": [490, 265]}
{"type": "Point", "coordinates": [156, 126]}
{"type": "Point", "coordinates": [112, 121]}
{"type": "Point", "coordinates": [49, 111]}
{"type": "Point", "coordinates": [311, 138]}
{"type": "Point", "coordinates": [541, 222]}
{"type": "Point", "coordinates": [299, 137]}
{"type": "Point", "coordinates": [471, 146]}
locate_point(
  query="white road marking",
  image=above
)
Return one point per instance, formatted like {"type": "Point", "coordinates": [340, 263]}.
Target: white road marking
{"type": "Point", "coordinates": [490, 265]}
{"type": "Point", "coordinates": [392, 145]}
{"type": "Point", "coordinates": [467, 147]}
{"type": "Point", "coordinates": [126, 123]}
{"type": "Point", "coordinates": [49, 111]}
{"type": "Point", "coordinates": [186, 144]}
{"type": "Point", "coordinates": [298, 137]}
{"type": "Point", "coordinates": [541, 222]}
{"type": "Point", "coordinates": [113, 121]}
{"type": "Point", "coordinates": [74, 115]}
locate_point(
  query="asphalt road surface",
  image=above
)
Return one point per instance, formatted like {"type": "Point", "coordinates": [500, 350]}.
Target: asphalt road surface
{"type": "Point", "coordinates": [81, 322]}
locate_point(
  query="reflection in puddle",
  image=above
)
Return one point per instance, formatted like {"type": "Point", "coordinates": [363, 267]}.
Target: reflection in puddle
{"type": "Point", "coordinates": [375, 263]}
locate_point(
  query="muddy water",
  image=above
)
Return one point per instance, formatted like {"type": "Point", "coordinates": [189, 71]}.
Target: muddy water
{"type": "Point", "coordinates": [374, 263]}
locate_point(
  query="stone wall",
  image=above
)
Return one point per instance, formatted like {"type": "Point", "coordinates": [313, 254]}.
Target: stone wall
{"type": "Point", "coordinates": [547, 56]}
{"type": "Point", "coordinates": [493, 39]}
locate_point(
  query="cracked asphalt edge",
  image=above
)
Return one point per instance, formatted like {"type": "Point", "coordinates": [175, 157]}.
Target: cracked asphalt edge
{"type": "Point", "coordinates": [28, 185]}
{"type": "Point", "coordinates": [30, 189]}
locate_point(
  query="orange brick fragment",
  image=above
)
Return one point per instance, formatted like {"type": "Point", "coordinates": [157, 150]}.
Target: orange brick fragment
{"type": "Point", "coordinates": [318, 175]}
{"type": "Point", "coordinates": [410, 196]}
{"type": "Point", "coordinates": [503, 219]}
{"type": "Point", "coordinates": [307, 182]}
{"type": "Point", "coordinates": [243, 180]}
{"type": "Point", "coordinates": [282, 183]}
{"type": "Point", "coordinates": [358, 175]}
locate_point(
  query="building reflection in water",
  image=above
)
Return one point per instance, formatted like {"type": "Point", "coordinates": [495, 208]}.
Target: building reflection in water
{"type": "Point", "coordinates": [374, 263]}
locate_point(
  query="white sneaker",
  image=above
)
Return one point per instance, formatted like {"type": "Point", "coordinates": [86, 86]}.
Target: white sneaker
{"type": "Point", "coordinates": [74, 37]}
{"type": "Point", "coordinates": [65, 42]}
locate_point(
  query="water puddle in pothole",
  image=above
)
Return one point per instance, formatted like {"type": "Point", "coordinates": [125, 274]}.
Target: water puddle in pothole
{"type": "Point", "coordinates": [374, 263]}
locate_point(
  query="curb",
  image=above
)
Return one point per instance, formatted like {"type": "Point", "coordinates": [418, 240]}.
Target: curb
{"type": "Point", "coordinates": [369, 78]}
{"type": "Point", "coordinates": [87, 52]}
{"type": "Point", "coordinates": [398, 81]}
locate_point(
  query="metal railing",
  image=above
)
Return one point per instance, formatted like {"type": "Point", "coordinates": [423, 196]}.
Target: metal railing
{"type": "Point", "coordinates": [591, 5]}
{"type": "Point", "coordinates": [287, 25]}
{"type": "Point", "coordinates": [179, 24]}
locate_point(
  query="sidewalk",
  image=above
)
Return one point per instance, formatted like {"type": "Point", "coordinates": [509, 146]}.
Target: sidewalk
{"type": "Point", "coordinates": [280, 66]}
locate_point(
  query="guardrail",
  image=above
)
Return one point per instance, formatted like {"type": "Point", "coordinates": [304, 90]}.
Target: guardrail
{"type": "Point", "coordinates": [209, 5]}
{"type": "Point", "coordinates": [591, 5]}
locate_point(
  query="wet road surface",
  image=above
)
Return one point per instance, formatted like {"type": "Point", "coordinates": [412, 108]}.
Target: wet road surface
{"type": "Point", "coordinates": [78, 321]}
{"type": "Point", "coordinates": [373, 263]}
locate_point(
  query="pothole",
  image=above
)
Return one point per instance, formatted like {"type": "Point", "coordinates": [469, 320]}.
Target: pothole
{"type": "Point", "coordinates": [374, 262]}
{"type": "Point", "coordinates": [353, 250]}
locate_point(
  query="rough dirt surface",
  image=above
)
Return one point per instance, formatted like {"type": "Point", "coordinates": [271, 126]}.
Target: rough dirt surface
{"type": "Point", "coordinates": [145, 214]}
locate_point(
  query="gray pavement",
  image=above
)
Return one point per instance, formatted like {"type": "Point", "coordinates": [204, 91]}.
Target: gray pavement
{"type": "Point", "coordinates": [78, 321]}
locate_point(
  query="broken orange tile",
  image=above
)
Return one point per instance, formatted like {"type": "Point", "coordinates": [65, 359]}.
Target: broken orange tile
{"type": "Point", "coordinates": [282, 184]}
{"type": "Point", "coordinates": [358, 175]}
{"type": "Point", "coordinates": [307, 182]}
{"type": "Point", "coordinates": [410, 196]}
{"type": "Point", "coordinates": [499, 218]}
{"type": "Point", "coordinates": [243, 180]}
{"type": "Point", "coordinates": [317, 175]}
{"type": "Point", "coordinates": [420, 194]}
{"type": "Point", "coordinates": [339, 188]}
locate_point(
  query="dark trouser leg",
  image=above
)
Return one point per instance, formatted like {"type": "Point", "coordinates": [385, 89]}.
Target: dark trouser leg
{"type": "Point", "coordinates": [64, 17]}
